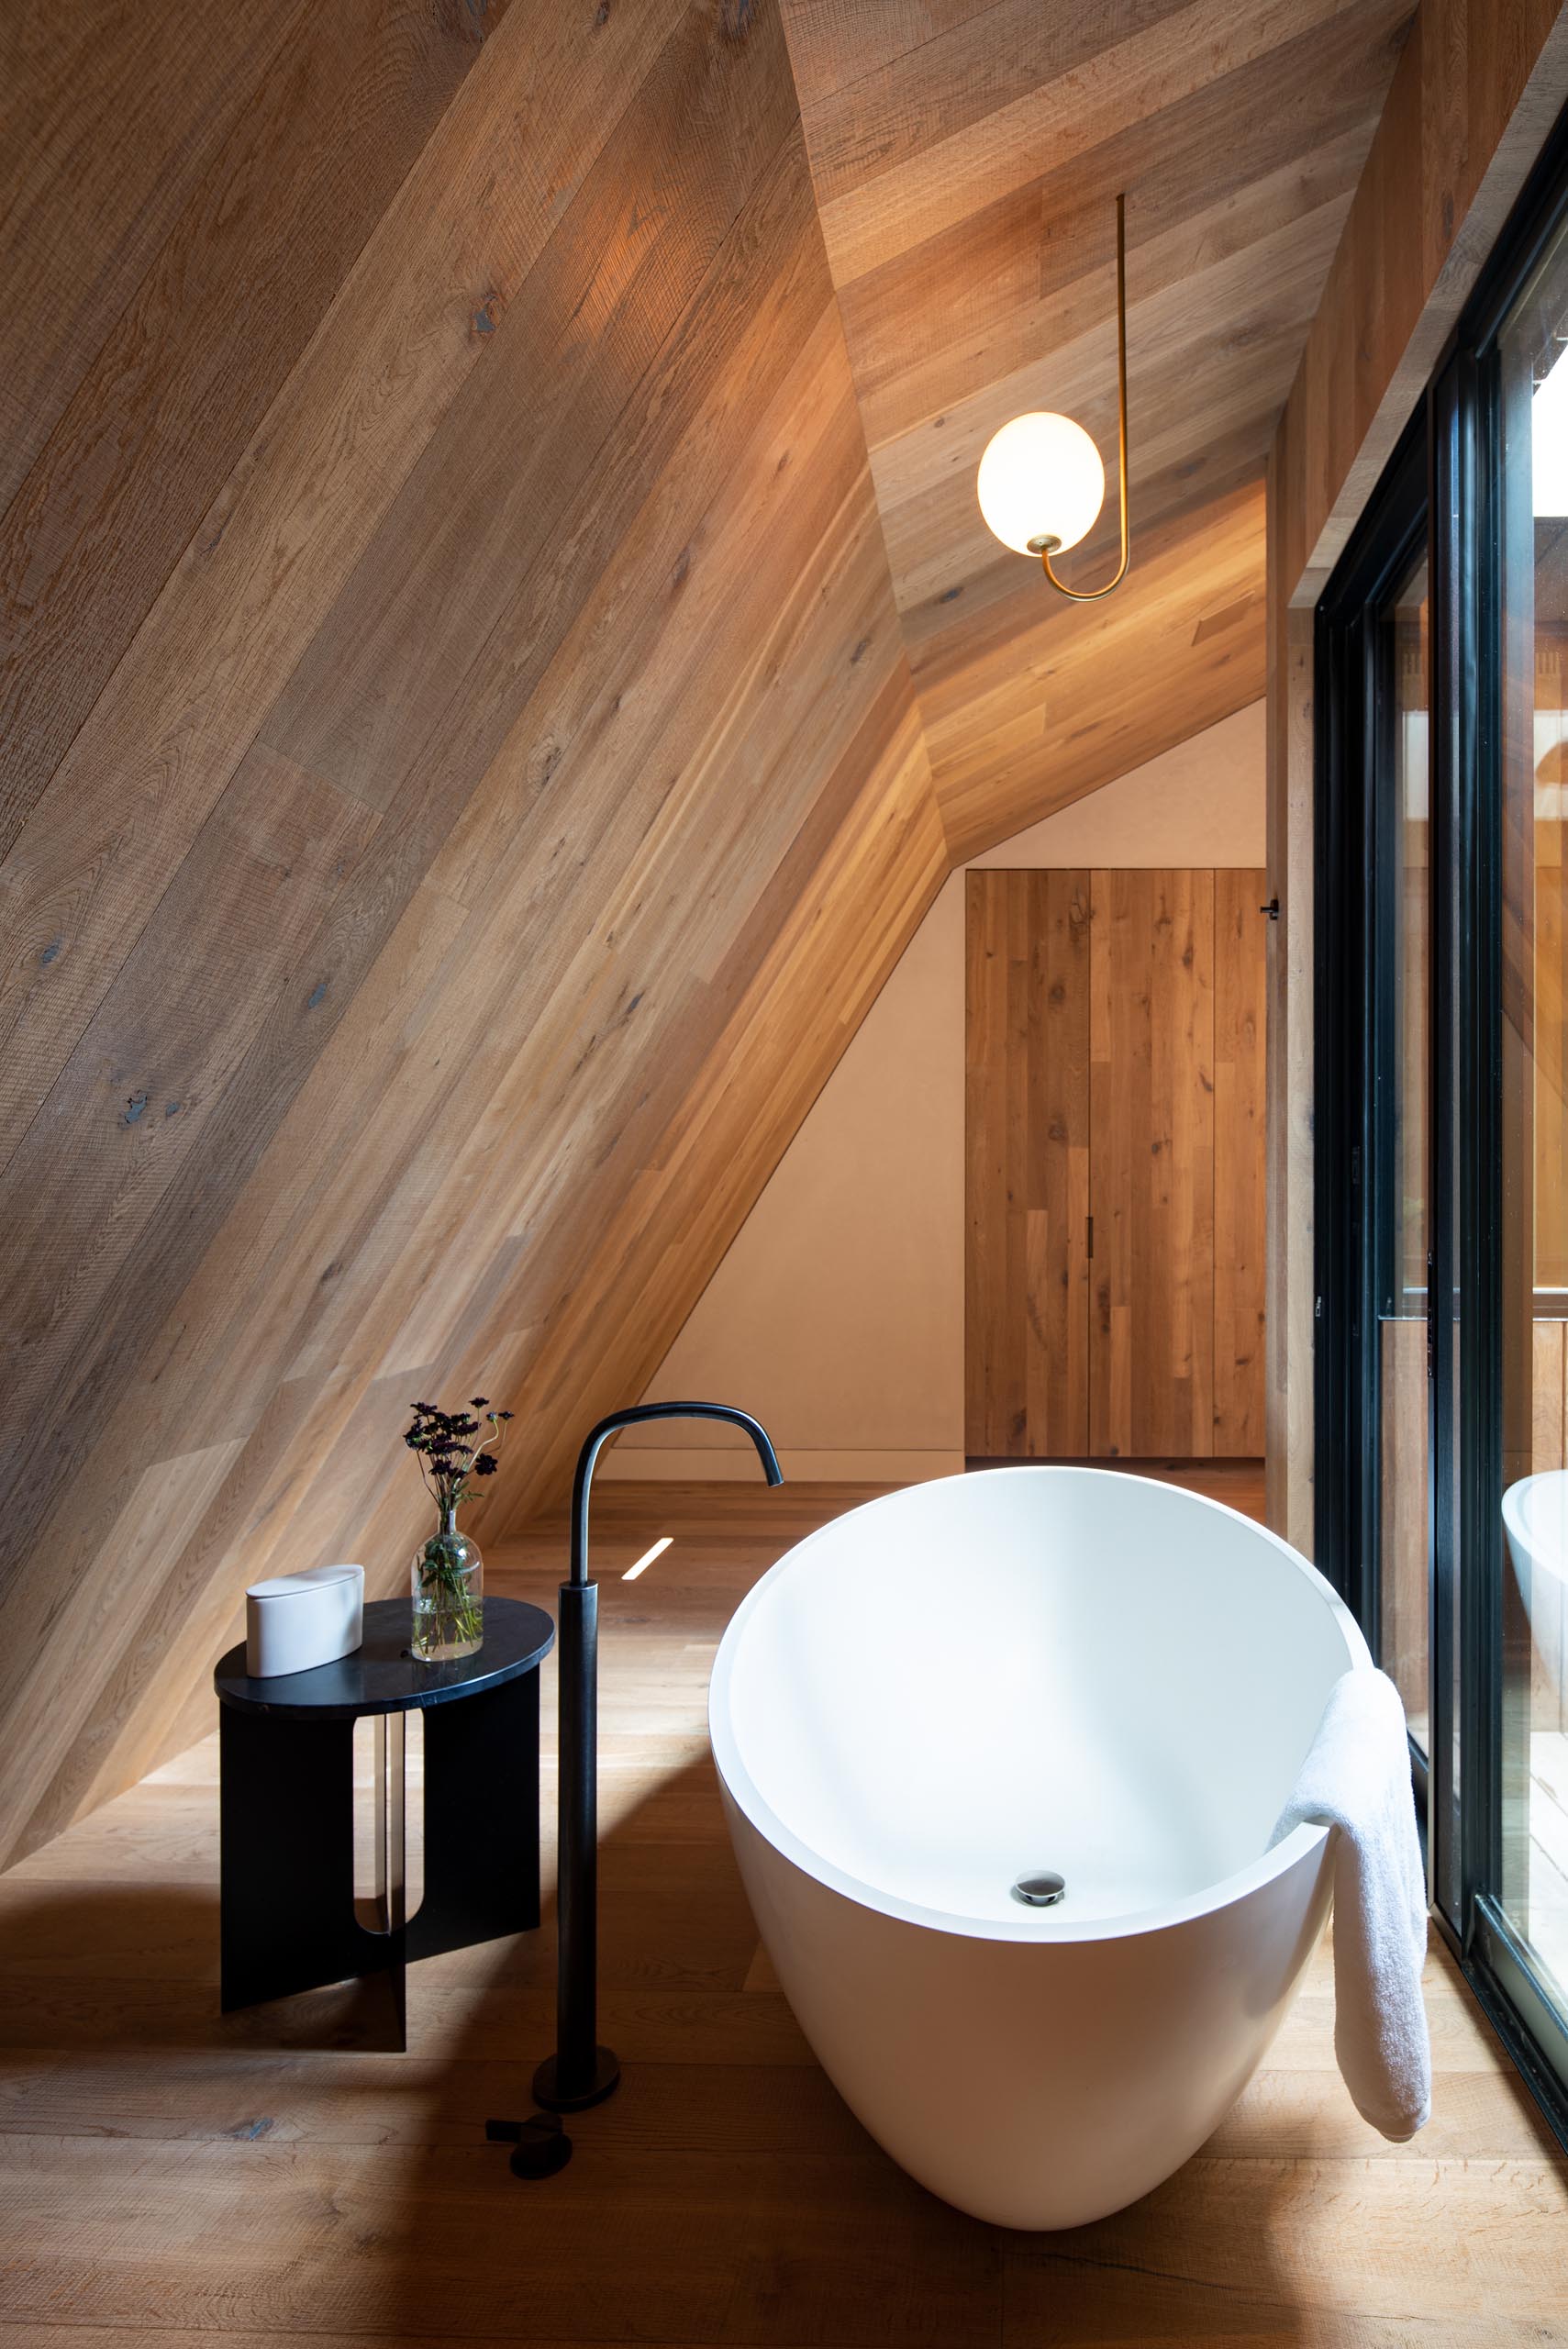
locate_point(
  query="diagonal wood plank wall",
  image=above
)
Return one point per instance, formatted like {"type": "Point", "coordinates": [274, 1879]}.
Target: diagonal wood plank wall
{"type": "Point", "coordinates": [461, 778]}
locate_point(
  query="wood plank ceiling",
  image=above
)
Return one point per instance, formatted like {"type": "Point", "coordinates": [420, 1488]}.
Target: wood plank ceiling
{"type": "Point", "coordinates": [966, 155]}
{"type": "Point", "coordinates": [466, 690]}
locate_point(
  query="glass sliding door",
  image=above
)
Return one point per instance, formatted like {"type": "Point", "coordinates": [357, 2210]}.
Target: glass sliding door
{"type": "Point", "coordinates": [1401, 1155]}
{"type": "Point", "coordinates": [1441, 1111]}
{"type": "Point", "coordinates": [1374, 1123]}
{"type": "Point", "coordinates": [1528, 1853]}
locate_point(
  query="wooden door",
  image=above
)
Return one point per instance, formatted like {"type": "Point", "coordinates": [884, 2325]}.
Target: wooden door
{"type": "Point", "coordinates": [1116, 1164]}
{"type": "Point", "coordinates": [1026, 1078]}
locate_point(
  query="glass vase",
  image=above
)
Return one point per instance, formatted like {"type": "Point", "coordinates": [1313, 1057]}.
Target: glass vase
{"type": "Point", "coordinates": [448, 1584]}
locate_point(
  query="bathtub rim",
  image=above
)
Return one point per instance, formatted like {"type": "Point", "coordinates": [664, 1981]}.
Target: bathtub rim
{"type": "Point", "coordinates": [1032, 1928]}
{"type": "Point", "coordinates": [1521, 1539]}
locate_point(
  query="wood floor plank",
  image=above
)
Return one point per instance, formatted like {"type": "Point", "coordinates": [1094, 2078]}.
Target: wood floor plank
{"type": "Point", "coordinates": [140, 2336]}
{"type": "Point", "coordinates": [835, 2247]}
{"type": "Point", "coordinates": [1394, 2241]}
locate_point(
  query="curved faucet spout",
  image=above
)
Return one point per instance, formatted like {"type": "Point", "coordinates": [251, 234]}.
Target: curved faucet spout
{"type": "Point", "coordinates": [599, 1436]}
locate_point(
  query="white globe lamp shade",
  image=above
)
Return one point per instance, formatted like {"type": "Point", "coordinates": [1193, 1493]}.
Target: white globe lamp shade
{"type": "Point", "coordinates": [1040, 481]}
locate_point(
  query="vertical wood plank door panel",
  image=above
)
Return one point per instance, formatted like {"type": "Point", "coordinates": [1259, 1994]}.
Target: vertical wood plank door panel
{"type": "Point", "coordinates": [985, 1167]}
{"type": "Point", "coordinates": [1240, 1016]}
{"type": "Point", "coordinates": [1026, 1079]}
{"type": "Point", "coordinates": [1152, 1164]}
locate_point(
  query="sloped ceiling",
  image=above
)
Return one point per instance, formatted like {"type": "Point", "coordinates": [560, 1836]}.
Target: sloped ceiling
{"type": "Point", "coordinates": [467, 691]}
{"type": "Point", "coordinates": [966, 156]}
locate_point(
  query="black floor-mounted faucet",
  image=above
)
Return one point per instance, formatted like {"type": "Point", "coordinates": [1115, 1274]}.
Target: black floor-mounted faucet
{"type": "Point", "coordinates": [581, 2073]}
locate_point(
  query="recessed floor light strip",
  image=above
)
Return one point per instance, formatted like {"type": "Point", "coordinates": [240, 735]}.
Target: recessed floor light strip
{"type": "Point", "coordinates": [647, 1557]}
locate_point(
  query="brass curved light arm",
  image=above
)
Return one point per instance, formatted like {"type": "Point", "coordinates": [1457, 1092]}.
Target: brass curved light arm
{"type": "Point", "coordinates": [1049, 546]}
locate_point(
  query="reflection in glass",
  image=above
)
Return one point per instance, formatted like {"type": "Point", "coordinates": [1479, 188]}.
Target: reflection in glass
{"type": "Point", "coordinates": [1403, 1146]}
{"type": "Point", "coordinates": [1534, 1787]}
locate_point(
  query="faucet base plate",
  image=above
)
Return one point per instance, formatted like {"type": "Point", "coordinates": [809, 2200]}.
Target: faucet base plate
{"type": "Point", "coordinates": [604, 2081]}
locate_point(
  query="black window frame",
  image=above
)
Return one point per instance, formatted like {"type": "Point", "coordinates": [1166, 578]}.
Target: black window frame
{"type": "Point", "coordinates": [1353, 1002]}
{"type": "Point", "coordinates": [1441, 481]}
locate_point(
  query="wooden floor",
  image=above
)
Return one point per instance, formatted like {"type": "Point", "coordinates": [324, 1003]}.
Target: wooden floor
{"type": "Point", "coordinates": [172, 2176]}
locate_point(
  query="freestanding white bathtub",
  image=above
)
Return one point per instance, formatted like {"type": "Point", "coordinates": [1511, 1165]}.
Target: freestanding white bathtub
{"type": "Point", "coordinates": [1535, 1517]}
{"type": "Point", "coordinates": [1032, 1669]}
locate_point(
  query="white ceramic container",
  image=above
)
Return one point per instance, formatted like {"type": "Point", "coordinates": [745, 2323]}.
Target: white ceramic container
{"type": "Point", "coordinates": [295, 1621]}
{"type": "Point", "coordinates": [1032, 1669]}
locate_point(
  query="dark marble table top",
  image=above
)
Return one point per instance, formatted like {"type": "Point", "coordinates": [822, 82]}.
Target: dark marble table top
{"type": "Point", "coordinates": [381, 1677]}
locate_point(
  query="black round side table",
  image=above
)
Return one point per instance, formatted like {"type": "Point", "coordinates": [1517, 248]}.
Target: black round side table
{"type": "Point", "coordinates": [290, 1921]}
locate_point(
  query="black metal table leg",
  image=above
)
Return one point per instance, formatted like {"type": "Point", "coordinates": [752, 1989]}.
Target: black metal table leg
{"type": "Point", "coordinates": [288, 1894]}
{"type": "Point", "coordinates": [480, 1853]}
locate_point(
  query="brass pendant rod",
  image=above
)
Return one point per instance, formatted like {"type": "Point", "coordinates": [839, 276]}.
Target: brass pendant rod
{"type": "Point", "coordinates": [1093, 594]}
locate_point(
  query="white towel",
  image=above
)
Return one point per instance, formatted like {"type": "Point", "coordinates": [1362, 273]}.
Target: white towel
{"type": "Point", "coordinates": [1356, 1778]}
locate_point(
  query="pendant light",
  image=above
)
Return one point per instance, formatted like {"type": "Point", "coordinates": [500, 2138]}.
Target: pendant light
{"type": "Point", "coordinates": [1041, 482]}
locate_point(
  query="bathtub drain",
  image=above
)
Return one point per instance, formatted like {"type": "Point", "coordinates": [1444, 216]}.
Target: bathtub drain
{"type": "Point", "coordinates": [1042, 1888]}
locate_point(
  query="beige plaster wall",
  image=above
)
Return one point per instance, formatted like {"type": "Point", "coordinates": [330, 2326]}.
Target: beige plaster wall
{"type": "Point", "coordinates": [838, 1314]}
